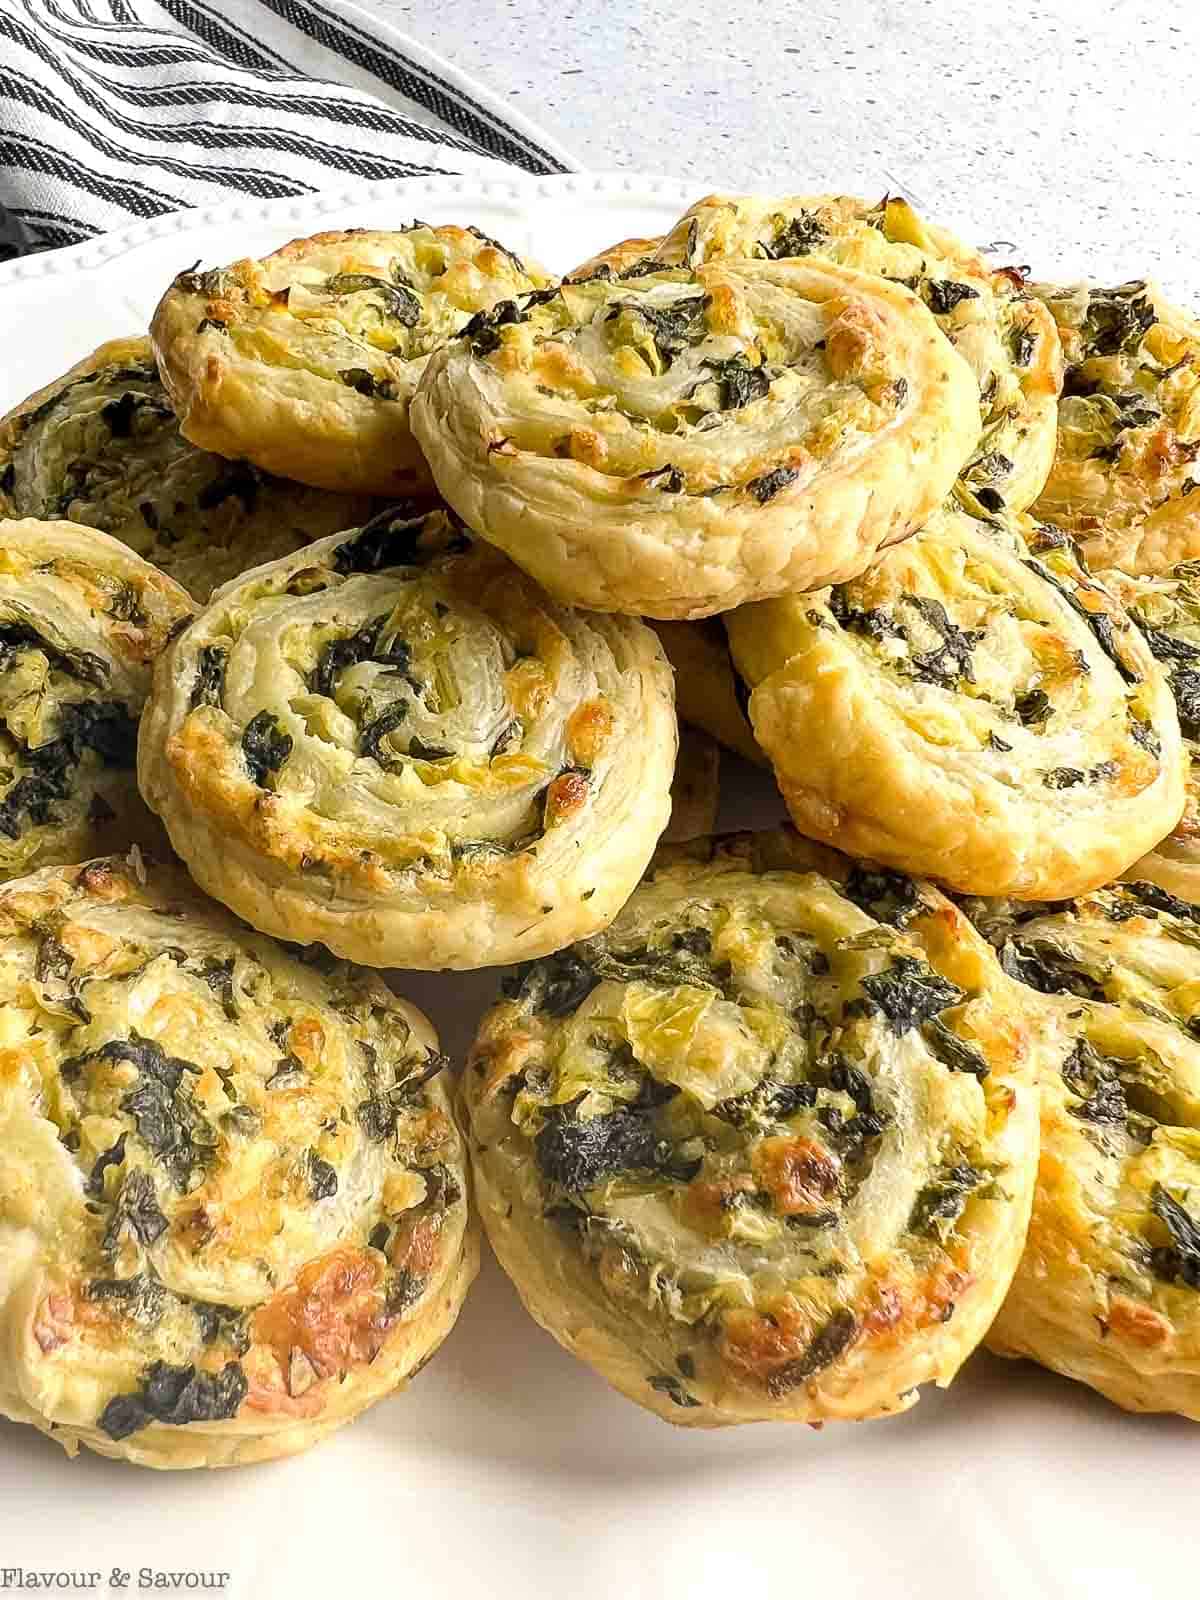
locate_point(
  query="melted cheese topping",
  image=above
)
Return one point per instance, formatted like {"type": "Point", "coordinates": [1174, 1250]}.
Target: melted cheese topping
{"type": "Point", "coordinates": [307, 359]}
{"type": "Point", "coordinates": [1128, 427]}
{"type": "Point", "coordinates": [1109, 1288]}
{"type": "Point", "coordinates": [101, 446]}
{"type": "Point", "coordinates": [81, 621]}
{"type": "Point", "coordinates": [229, 1190]}
{"type": "Point", "coordinates": [1006, 336]}
{"type": "Point", "coordinates": [973, 707]}
{"type": "Point", "coordinates": [395, 744]}
{"type": "Point", "coordinates": [677, 441]}
{"type": "Point", "coordinates": [765, 1147]}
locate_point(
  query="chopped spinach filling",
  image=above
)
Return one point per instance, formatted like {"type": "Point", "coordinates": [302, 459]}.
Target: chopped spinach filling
{"type": "Point", "coordinates": [827, 1345]}
{"type": "Point", "coordinates": [164, 1114]}
{"type": "Point", "coordinates": [1096, 1081]}
{"type": "Point", "coordinates": [910, 992]}
{"type": "Point", "coordinates": [266, 746]}
{"type": "Point", "coordinates": [137, 1211]}
{"type": "Point", "coordinates": [738, 383]}
{"type": "Point", "coordinates": [380, 1112]}
{"type": "Point", "coordinates": [394, 539]}
{"type": "Point", "coordinates": [1178, 1262]}
{"type": "Point", "coordinates": [1117, 320]}
{"type": "Point", "coordinates": [766, 487]}
{"type": "Point", "coordinates": [941, 1203]}
{"type": "Point", "coordinates": [557, 985]}
{"type": "Point", "coordinates": [365, 382]}
{"type": "Point", "coordinates": [673, 328]}
{"type": "Point", "coordinates": [667, 1383]}
{"type": "Point", "coordinates": [338, 655]}
{"type": "Point", "coordinates": [577, 1153]}
{"type": "Point", "coordinates": [944, 294]}
{"type": "Point", "coordinates": [104, 727]}
{"type": "Point", "coordinates": [176, 1395]}
{"type": "Point", "coordinates": [798, 236]}
{"type": "Point", "coordinates": [1046, 967]}
{"type": "Point", "coordinates": [398, 301]}
{"type": "Point", "coordinates": [209, 684]}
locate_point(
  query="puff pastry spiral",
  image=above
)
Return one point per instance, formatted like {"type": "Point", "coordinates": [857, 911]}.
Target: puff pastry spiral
{"type": "Point", "coordinates": [677, 442]}
{"type": "Point", "coordinates": [1128, 426]}
{"type": "Point", "coordinates": [394, 743]}
{"type": "Point", "coordinates": [765, 1148]}
{"type": "Point", "coordinates": [233, 1199]}
{"type": "Point", "coordinates": [973, 708]}
{"type": "Point", "coordinates": [305, 362]}
{"type": "Point", "coordinates": [101, 446]}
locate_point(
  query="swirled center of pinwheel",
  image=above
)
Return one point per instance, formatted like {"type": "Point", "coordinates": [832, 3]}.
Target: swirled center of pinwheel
{"type": "Point", "coordinates": [227, 1124]}
{"type": "Point", "coordinates": [391, 695]}
{"type": "Point", "coordinates": [695, 382]}
{"type": "Point", "coordinates": [736, 1098]}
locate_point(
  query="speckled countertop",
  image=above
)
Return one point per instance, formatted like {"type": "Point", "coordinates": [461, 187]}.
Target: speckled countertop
{"type": "Point", "coordinates": [1069, 127]}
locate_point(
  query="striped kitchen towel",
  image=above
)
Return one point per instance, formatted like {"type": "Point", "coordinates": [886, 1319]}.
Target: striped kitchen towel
{"type": "Point", "coordinates": [112, 110]}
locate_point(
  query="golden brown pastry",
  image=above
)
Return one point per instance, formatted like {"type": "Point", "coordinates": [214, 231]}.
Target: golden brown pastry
{"type": "Point", "coordinates": [233, 1200]}
{"type": "Point", "coordinates": [81, 621]}
{"type": "Point", "coordinates": [1108, 1290]}
{"type": "Point", "coordinates": [1128, 426]}
{"type": "Point", "coordinates": [1006, 336]}
{"type": "Point", "coordinates": [709, 693]}
{"type": "Point", "coordinates": [620, 259]}
{"type": "Point", "coordinates": [765, 1149]}
{"type": "Point", "coordinates": [305, 362]}
{"type": "Point", "coordinates": [695, 788]}
{"type": "Point", "coordinates": [972, 708]}
{"type": "Point", "coordinates": [676, 443]}
{"type": "Point", "coordinates": [101, 446]}
{"type": "Point", "coordinates": [394, 743]}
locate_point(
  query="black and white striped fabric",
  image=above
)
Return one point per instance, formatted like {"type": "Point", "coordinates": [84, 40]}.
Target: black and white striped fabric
{"type": "Point", "coordinates": [113, 110]}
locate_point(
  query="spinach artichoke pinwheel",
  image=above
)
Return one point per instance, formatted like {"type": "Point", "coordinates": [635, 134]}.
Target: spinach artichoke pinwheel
{"type": "Point", "coordinates": [81, 622]}
{"type": "Point", "coordinates": [674, 443]}
{"type": "Point", "coordinates": [1124, 474]}
{"type": "Point", "coordinates": [392, 742]}
{"type": "Point", "coordinates": [1108, 1290]}
{"type": "Point", "coordinates": [233, 1198]}
{"type": "Point", "coordinates": [989, 315]}
{"type": "Point", "coordinates": [305, 362]}
{"type": "Point", "coordinates": [973, 708]}
{"type": "Point", "coordinates": [765, 1148]}
{"type": "Point", "coordinates": [101, 446]}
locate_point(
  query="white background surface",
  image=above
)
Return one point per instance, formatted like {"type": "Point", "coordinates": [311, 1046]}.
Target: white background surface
{"type": "Point", "coordinates": [509, 1470]}
{"type": "Point", "coordinates": [1067, 126]}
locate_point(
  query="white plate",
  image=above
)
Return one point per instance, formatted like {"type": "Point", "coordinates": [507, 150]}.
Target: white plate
{"type": "Point", "coordinates": [509, 1469]}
